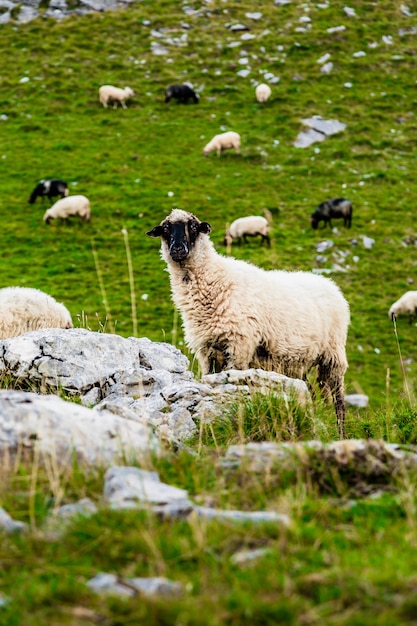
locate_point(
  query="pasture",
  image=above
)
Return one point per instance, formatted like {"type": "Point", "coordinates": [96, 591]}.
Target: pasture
{"type": "Point", "coordinates": [134, 165]}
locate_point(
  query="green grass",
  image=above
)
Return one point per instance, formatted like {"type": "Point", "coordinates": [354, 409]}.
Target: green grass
{"type": "Point", "coordinates": [339, 563]}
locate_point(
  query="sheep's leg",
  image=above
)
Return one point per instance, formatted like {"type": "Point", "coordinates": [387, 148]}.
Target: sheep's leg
{"type": "Point", "coordinates": [332, 387]}
{"type": "Point", "coordinates": [124, 104]}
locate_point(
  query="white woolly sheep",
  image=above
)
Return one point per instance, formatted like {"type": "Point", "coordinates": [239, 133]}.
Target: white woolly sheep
{"type": "Point", "coordinates": [236, 315]}
{"type": "Point", "coordinates": [263, 93]}
{"type": "Point", "coordinates": [221, 142]}
{"type": "Point", "coordinates": [23, 309]}
{"type": "Point", "coordinates": [250, 226]}
{"type": "Point", "coordinates": [71, 205]}
{"type": "Point", "coordinates": [406, 305]}
{"type": "Point", "coordinates": [108, 93]}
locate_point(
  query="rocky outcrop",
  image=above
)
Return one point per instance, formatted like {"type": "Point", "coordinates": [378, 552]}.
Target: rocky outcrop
{"type": "Point", "coordinates": [135, 382]}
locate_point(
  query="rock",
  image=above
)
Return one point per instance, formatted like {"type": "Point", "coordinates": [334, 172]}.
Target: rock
{"type": "Point", "coordinates": [319, 129]}
{"type": "Point", "coordinates": [59, 428]}
{"type": "Point", "coordinates": [112, 584]}
{"type": "Point", "coordinates": [255, 517]}
{"type": "Point", "coordinates": [8, 524]}
{"type": "Point", "coordinates": [246, 556]}
{"type": "Point", "coordinates": [357, 399]}
{"type": "Point", "coordinates": [236, 28]}
{"type": "Point", "coordinates": [130, 487]}
{"type": "Point", "coordinates": [326, 68]}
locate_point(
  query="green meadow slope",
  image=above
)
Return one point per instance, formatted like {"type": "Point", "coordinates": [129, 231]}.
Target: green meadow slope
{"type": "Point", "coordinates": [136, 164]}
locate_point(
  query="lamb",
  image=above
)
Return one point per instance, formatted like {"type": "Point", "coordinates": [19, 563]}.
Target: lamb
{"type": "Point", "coordinates": [236, 315]}
{"type": "Point", "coordinates": [23, 309]}
{"type": "Point", "coordinates": [338, 207]}
{"type": "Point", "coordinates": [263, 93]}
{"type": "Point", "coordinates": [406, 305]}
{"type": "Point", "coordinates": [250, 226]}
{"type": "Point", "coordinates": [181, 93]}
{"type": "Point", "coordinates": [108, 93]}
{"type": "Point", "coordinates": [71, 205]}
{"type": "Point", "coordinates": [222, 142]}
{"type": "Point", "coordinates": [51, 188]}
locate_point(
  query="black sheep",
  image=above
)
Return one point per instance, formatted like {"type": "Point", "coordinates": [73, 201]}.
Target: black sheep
{"type": "Point", "coordinates": [50, 188]}
{"type": "Point", "coordinates": [338, 207]}
{"type": "Point", "coordinates": [182, 93]}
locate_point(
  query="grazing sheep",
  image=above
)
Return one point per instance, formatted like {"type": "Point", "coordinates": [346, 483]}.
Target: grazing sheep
{"type": "Point", "coordinates": [108, 93]}
{"type": "Point", "coordinates": [23, 309]}
{"type": "Point", "coordinates": [181, 93]}
{"type": "Point", "coordinates": [250, 226]}
{"type": "Point", "coordinates": [406, 305]}
{"type": "Point", "coordinates": [222, 142]}
{"type": "Point", "coordinates": [263, 93]}
{"type": "Point", "coordinates": [71, 205]}
{"type": "Point", "coordinates": [338, 207]}
{"type": "Point", "coordinates": [236, 315]}
{"type": "Point", "coordinates": [50, 188]}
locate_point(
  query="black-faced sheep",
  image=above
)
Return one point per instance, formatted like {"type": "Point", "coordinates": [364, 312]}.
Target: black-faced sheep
{"type": "Point", "coordinates": [263, 93]}
{"type": "Point", "coordinates": [181, 93]}
{"type": "Point", "coordinates": [23, 309]}
{"type": "Point", "coordinates": [71, 205]}
{"type": "Point", "coordinates": [332, 209]}
{"type": "Point", "coordinates": [221, 142]}
{"type": "Point", "coordinates": [236, 315]}
{"type": "Point", "coordinates": [50, 188]}
{"type": "Point", "coordinates": [406, 305]}
{"type": "Point", "coordinates": [251, 226]}
{"type": "Point", "coordinates": [108, 93]}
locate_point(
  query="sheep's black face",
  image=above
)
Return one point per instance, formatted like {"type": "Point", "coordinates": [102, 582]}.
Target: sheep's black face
{"type": "Point", "coordinates": [180, 237]}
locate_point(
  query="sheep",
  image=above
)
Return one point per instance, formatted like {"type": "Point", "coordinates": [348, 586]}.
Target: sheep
{"type": "Point", "coordinates": [407, 304]}
{"type": "Point", "coordinates": [23, 309]}
{"type": "Point", "coordinates": [115, 94]}
{"type": "Point", "coordinates": [181, 93]}
{"type": "Point", "coordinates": [51, 188]}
{"type": "Point", "coordinates": [338, 207]}
{"type": "Point", "coordinates": [71, 205]}
{"type": "Point", "coordinates": [250, 226]}
{"type": "Point", "coordinates": [263, 93]}
{"type": "Point", "coordinates": [222, 142]}
{"type": "Point", "coordinates": [236, 315]}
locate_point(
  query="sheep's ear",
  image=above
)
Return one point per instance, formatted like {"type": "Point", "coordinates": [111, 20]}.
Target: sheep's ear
{"type": "Point", "coordinates": [155, 232]}
{"type": "Point", "coordinates": [204, 227]}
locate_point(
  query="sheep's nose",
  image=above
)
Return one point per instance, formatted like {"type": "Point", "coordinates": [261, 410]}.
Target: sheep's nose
{"type": "Point", "coordinates": [178, 251]}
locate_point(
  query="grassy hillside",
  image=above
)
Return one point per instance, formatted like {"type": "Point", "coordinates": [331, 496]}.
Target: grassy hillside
{"type": "Point", "coordinates": [136, 164]}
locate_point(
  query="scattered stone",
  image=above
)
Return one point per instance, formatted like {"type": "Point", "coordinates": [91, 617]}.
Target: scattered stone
{"type": "Point", "coordinates": [336, 29]}
{"type": "Point", "coordinates": [131, 487]}
{"type": "Point", "coordinates": [9, 525]}
{"type": "Point", "coordinates": [326, 68]}
{"type": "Point", "coordinates": [84, 507]}
{"type": "Point", "coordinates": [322, 246]}
{"type": "Point", "coordinates": [319, 130]}
{"type": "Point", "coordinates": [254, 16]}
{"type": "Point", "coordinates": [256, 517]}
{"type": "Point", "coordinates": [4, 600]}
{"type": "Point", "coordinates": [349, 11]}
{"type": "Point", "coordinates": [405, 10]}
{"type": "Point", "coordinates": [366, 466]}
{"type": "Point", "coordinates": [236, 28]}
{"type": "Point", "coordinates": [111, 584]}
{"type": "Point", "coordinates": [357, 399]}
{"type": "Point", "coordinates": [357, 55]}
{"type": "Point", "coordinates": [368, 242]}
{"type": "Point", "coordinates": [246, 556]}
{"type": "Point", "coordinates": [324, 58]}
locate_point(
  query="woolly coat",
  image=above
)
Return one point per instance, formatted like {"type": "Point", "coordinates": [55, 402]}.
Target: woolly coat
{"type": "Point", "coordinates": [407, 304]}
{"type": "Point", "coordinates": [263, 92]}
{"type": "Point", "coordinates": [71, 205]}
{"type": "Point", "coordinates": [108, 93]}
{"type": "Point", "coordinates": [221, 142]}
{"type": "Point", "coordinates": [23, 309]}
{"type": "Point", "coordinates": [250, 225]}
{"type": "Point", "coordinates": [246, 317]}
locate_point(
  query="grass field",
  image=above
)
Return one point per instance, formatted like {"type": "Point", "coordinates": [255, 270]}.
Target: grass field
{"type": "Point", "coordinates": [337, 565]}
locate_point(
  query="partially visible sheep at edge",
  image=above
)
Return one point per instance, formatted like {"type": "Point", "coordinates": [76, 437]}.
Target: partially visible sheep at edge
{"type": "Point", "coordinates": [23, 309]}
{"type": "Point", "coordinates": [221, 142]}
{"type": "Point", "coordinates": [108, 93]}
{"type": "Point", "coordinates": [406, 305]}
{"type": "Point", "coordinates": [237, 316]}
{"type": "Point", "coordinates": [71, 205]}
{"type": "Point", "coordinates": [181, 93]}
{"type": "Point", "coordinates": [332, 209]}
{"type": "Point", "coordinates": [263, 93]}
{"type": "Point", "coordinates": [250, 226]}
{"type": "Point", "coordinates": [49, 187]}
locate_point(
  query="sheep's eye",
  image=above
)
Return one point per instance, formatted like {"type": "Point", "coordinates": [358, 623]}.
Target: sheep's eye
{"type": "Point", "coordinates": [193, 227]}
